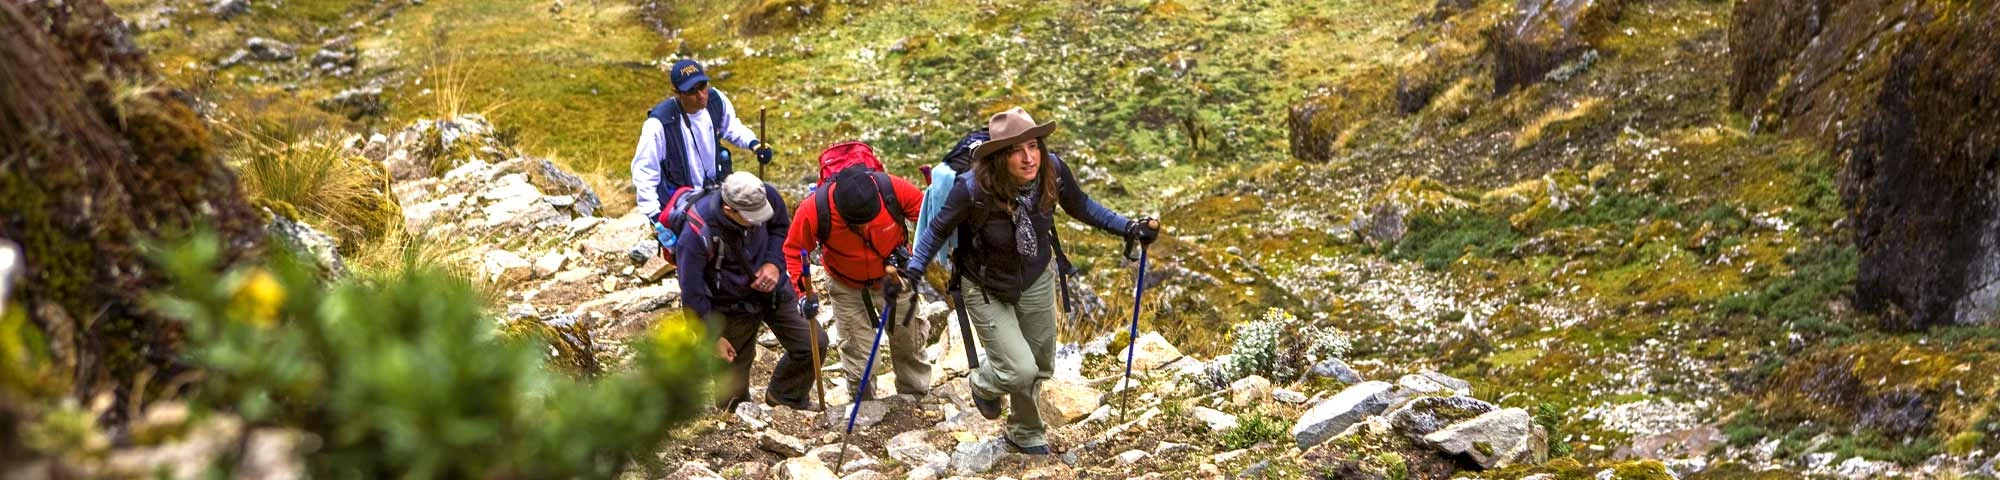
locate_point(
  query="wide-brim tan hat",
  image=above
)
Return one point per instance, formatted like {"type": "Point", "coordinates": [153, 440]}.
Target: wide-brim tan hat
{"type": "Point", "coordinates": [1010, 128]}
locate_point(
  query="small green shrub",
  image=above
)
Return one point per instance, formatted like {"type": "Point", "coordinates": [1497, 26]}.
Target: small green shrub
{"type": "Point", "coordinates": [407, 377]}
{"type": "Point", "coordinates": [1819, 273]}
{"type": "Point", "coordinates": [1439, 241]}
{"type": "Point", "coordinates": [1550, 417]}
{"type": "Point", "coordinates": [1252, 429]}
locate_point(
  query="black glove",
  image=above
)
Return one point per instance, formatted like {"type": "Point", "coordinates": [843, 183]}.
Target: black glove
{"type": "Point", "coordinates": [763, 151]}
{"type": "Point", "coordinates": [1145, 230]}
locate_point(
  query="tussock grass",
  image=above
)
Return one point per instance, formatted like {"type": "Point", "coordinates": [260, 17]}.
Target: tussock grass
{"type": "Point", "coordinates": [401, 253]}
{"type": "Point", "coordinates": [1533, 130]}
{"type": "Point", "coordinates": [330, 185]}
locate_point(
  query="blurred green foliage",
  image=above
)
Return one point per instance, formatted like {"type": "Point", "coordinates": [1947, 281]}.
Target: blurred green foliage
{"type": "Point", "coordinates": [407, 377]}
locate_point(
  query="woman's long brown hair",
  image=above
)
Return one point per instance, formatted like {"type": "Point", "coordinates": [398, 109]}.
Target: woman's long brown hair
{"type": "Point", "coordinates": [998, 186]}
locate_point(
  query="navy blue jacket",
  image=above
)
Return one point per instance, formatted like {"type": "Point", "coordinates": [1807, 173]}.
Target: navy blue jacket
{"type": "Point", "coordinates": [719, 258]}
{"type": "Point", "coordinates": [993, 261]}
{"type": "Point", "coordinates": [673, 160]}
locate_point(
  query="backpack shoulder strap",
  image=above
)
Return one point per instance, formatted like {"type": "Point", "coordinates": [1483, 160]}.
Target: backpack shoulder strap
{"type": "Point", "coordinates": [822, 205]}
{"type": "Point", "coordinates": [886, 188]}
{"type": "Point", "coordinates": [715, 107]}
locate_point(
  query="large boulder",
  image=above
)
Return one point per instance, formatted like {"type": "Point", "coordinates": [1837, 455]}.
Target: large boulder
{"type": "Point", "coordinates": [1335, 414]}
{"type": "Point", "coordinates": [1541, 35]}
{"type": "Point", "coordinates": [1495, 439]}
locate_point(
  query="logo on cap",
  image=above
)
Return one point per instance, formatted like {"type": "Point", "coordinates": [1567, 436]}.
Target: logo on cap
{"type": "Point", "coordinates": [688, 70]}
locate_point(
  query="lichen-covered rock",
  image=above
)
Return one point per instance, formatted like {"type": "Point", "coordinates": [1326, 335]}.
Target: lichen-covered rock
{"type": "Point", "coordinates": [1429, 414]}
{"type": "Point", "coordinates": [1495, 439]}
{"type": "Point", "coordinates": [309, 244]}
{"type": "Point", "coordinates": [96, 166]}
{"type": "Point", "coordinates": [1335, 414]}
{"type": "Point", "coordinates": [552, 180]}
{"type": "Point", "coordinates": [1542, 34]}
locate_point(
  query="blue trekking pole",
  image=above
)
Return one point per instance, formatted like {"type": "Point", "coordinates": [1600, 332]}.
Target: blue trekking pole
{"type": "Point", "coordinates": [1138, 292]}
{"type": "Point", "coordinates": [889, 285]}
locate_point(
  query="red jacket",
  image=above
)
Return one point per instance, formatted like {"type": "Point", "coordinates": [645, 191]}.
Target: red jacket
{"type": "Point", "coordinates": [846, 258]}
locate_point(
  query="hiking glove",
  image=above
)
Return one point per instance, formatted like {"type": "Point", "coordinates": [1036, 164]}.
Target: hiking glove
{"type": "Point", "coordinates": [1145, 230]}
{"type": "Point", "coordinates": [763, 151]}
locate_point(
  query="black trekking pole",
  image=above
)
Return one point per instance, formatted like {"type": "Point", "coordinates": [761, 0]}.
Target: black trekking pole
{"type": "Point", "coordinates": [965, 331]}
{"type": "Point", "coordinates": [1138, 292]}
{"type": "Point", "coordinates": [861, 388]}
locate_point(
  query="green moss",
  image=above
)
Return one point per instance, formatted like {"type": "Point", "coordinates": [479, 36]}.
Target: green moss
{"type": "Point", "coordinates": [1439, 241]}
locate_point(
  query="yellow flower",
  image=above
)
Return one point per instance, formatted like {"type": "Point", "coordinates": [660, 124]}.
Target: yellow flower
{"type": "Point", "coordinates": [257, 299]}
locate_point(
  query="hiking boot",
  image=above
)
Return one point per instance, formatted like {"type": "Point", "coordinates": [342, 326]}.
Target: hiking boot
{"type": "Point", "coordinates": [801, 405]}
{"type": "Point", "coordinates": [987, 408]}
{"type": "Point", "coordinates": [1034, 450]}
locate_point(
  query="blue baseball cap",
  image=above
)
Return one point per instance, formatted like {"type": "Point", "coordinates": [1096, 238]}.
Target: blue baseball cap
{"type": "Point", "coordinates": [686, 74]}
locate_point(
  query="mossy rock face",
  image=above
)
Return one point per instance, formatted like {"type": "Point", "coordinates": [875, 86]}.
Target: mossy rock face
{"type": "Point", "coordinates": [1920, 177]}
{"type": "Point", "coordinates": [1765, 37]}
{"type": "Point", "coordinates": [100, 160]}
{"type": "Point", "coordinates": [1542, 34]}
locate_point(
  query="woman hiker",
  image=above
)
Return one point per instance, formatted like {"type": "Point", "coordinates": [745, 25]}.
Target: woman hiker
{"type": "Point", "coordinates": [1008, 202]}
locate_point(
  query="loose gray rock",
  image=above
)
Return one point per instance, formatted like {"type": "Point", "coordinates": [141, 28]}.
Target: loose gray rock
{"type": "Point", "coordinates": [268, 50]}
{"type": "Point", "coordinates": [1217, 421]}
{"type": "Point", "coordinates": [913, 449]}
{"type": "Point", "coordinates": [1133, 457]}
{"type": "Point", "coordinates": [356, 103]}
{"type": "Point", "coordinates": [695, 470]}
{"type": "Point", "coordinates": [1335, 414]}
{"type": "Point", "coordinates": [1288, 395]}
{"type": "Point", "coordinates": [1422, 416]}
{"type": "Point", "coordinates": [780, 443]}
{"type": "Point", "coordinates": [306, 243]}
{"type": "Point", "coordinates": [872, 412]}
{"type": "Point", "coordinates": [227, 9]}
{"type": "Point", "coordinates": [978, 456]}
{"type": "Point", "coordinates": [1495, 439]}
{"type": "Point", "coordinates": [1337, 370]}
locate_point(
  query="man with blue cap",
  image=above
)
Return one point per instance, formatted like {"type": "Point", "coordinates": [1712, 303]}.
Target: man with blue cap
{"type": "Point", "coordinates": [680, 144]}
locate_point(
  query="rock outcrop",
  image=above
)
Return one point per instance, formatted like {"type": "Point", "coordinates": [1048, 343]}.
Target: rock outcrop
{"type": "Point", "coordinates": [1543, 34]}
{"type": "Point", "coordinates": [1904, 91]}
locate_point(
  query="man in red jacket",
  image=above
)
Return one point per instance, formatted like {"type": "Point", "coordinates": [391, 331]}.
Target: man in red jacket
{"type": "Point", "coordinates": [860, 233]}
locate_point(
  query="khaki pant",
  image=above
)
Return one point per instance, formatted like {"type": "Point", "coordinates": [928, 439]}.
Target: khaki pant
{"type": "Point", "coordinates": [903, 344]}
{"type": "Point", "coordinates": [1020, 342]}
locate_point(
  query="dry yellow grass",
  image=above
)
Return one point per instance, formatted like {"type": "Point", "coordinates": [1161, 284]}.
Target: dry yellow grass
{"type": "Point", "coordinates": [330, 185]}
{"type": "Point", "coordinates": [1532, 132]}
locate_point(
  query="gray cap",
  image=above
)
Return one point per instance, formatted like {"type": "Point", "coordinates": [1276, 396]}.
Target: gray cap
{"type": "Point", "coordinates": [745, 193]}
